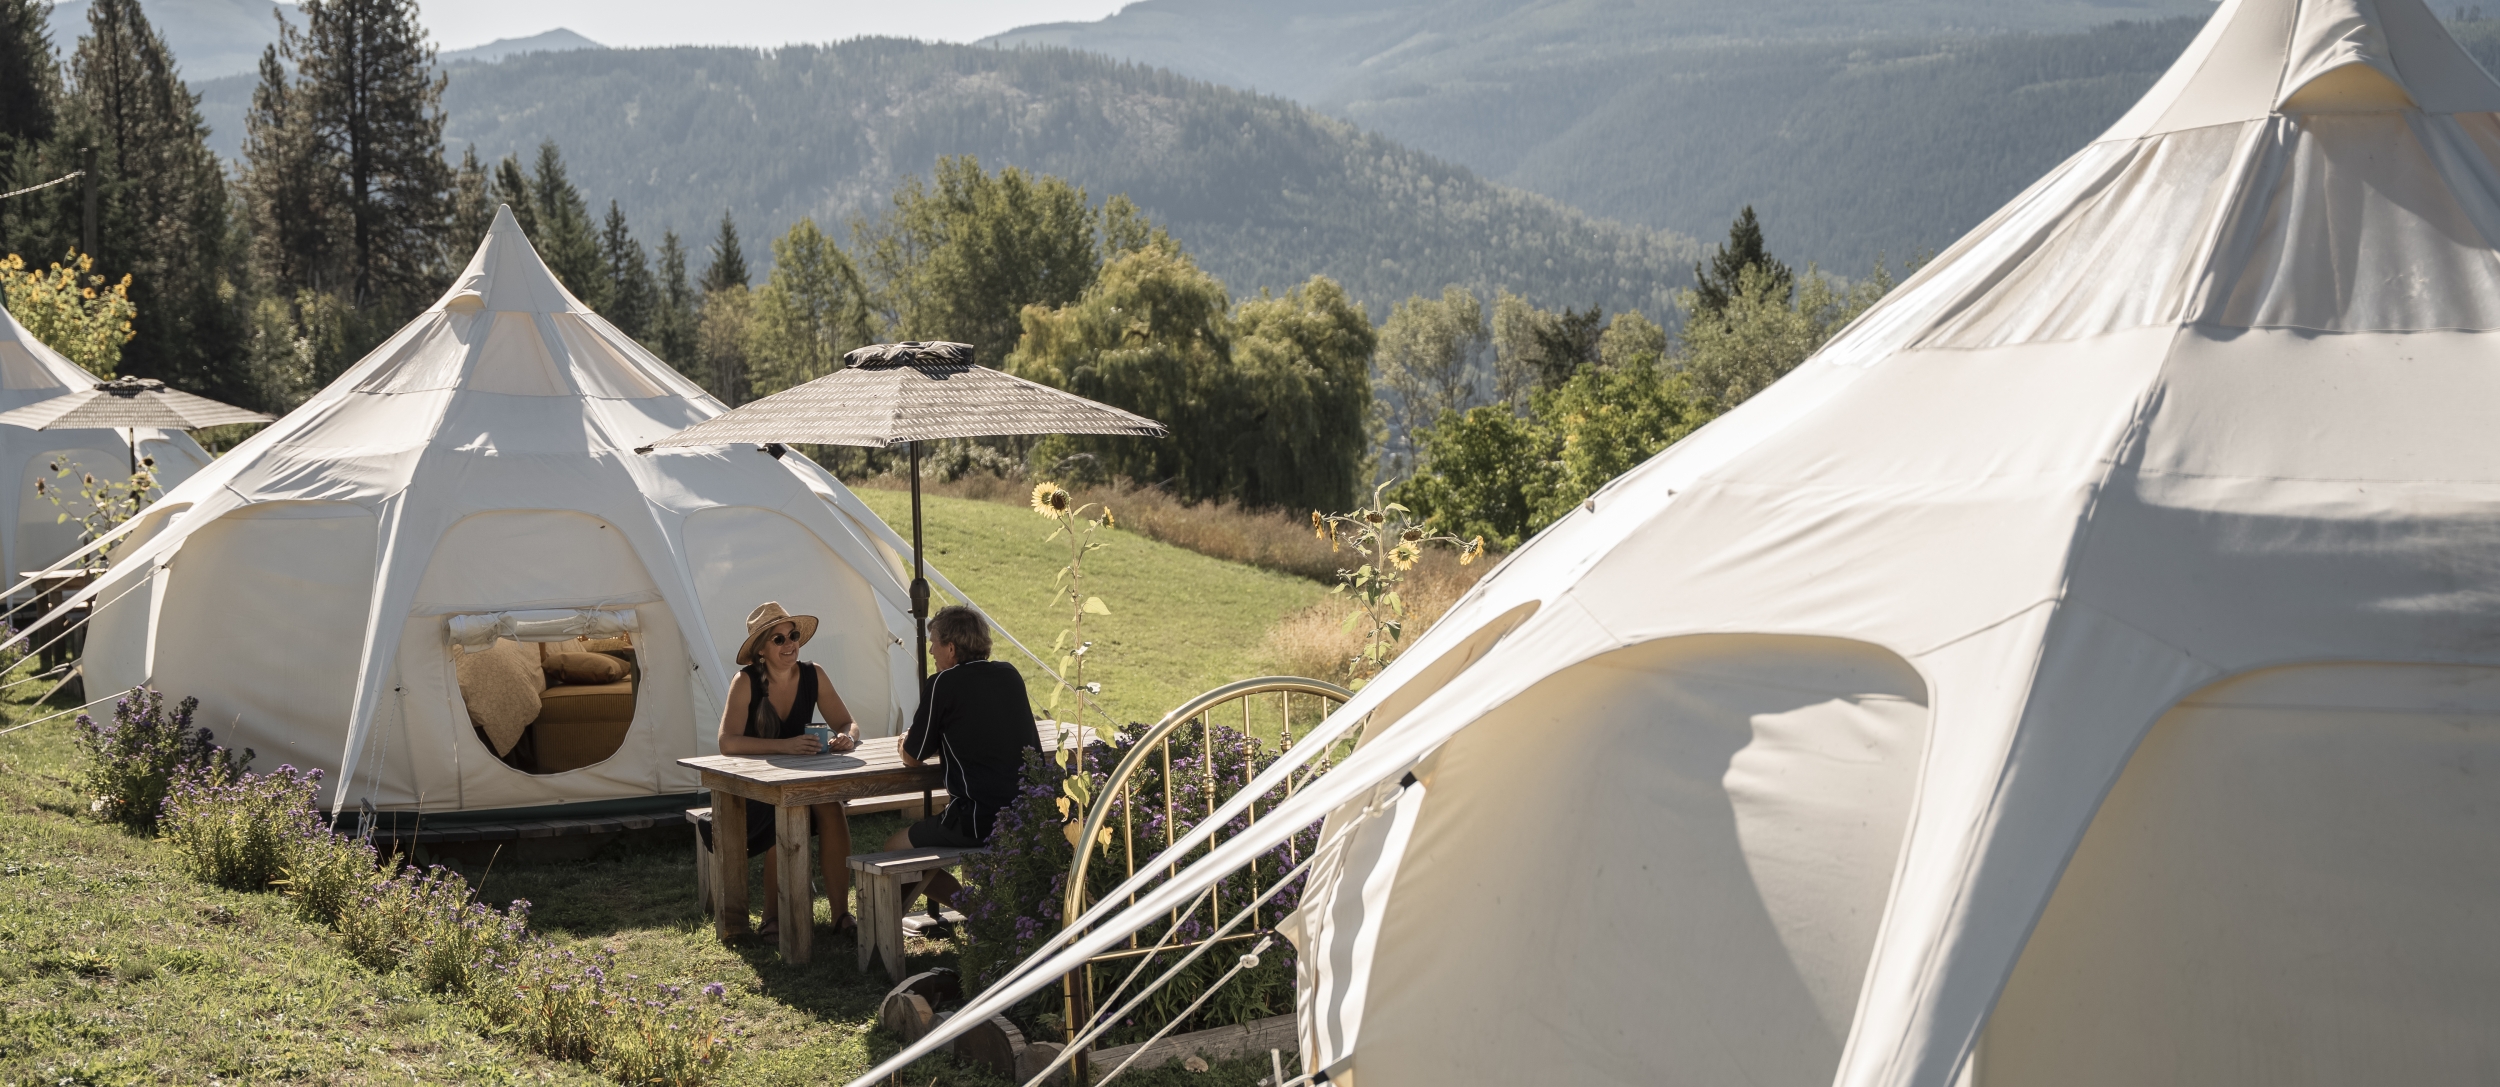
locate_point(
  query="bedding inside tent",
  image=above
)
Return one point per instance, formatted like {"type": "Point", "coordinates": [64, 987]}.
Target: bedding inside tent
{"type": "Point", "coordinates": [450, 582]}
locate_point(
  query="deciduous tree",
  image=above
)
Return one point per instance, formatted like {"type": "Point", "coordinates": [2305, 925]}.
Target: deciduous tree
{"type": "Point", "coordinates": [810, 311]}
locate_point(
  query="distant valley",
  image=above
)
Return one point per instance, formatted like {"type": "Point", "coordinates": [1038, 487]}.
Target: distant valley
{"type": "Point", "coordinates": [1854, 128]}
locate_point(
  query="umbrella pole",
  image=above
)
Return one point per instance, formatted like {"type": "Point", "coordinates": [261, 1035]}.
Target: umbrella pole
{"type": "Point", "coordinates": [134, 451]}
{"type": "Point", "coordinates": [919, 579]}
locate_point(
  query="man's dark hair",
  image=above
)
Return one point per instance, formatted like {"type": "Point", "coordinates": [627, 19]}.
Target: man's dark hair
{"type": "Point", "coordinates": [964, 629]}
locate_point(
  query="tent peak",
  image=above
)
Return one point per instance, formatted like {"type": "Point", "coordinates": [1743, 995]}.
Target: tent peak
{"type": "Point", "coordinates": [2257, 58]}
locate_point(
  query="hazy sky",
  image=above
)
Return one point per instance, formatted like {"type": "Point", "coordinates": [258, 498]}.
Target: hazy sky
{"type": "Point", "coordinates": [458, 24]}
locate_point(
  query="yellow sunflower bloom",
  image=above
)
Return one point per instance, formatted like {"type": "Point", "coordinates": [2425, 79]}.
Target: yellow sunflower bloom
{"type": "Point", "coordinates": [1049, 500]}
{"type": "Point", "coordinates": [1319, 525]}
{"type": "Point", "coordinates": [1404, 555]}
{"type": "Point", "coordinates": [1468, 553]}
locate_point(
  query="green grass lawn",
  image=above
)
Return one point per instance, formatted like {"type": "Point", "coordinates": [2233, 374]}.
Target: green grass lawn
{"type": "Point", "coordinates": [116, 968]}
{"type": "Point", "coordinates": [1180, 623]}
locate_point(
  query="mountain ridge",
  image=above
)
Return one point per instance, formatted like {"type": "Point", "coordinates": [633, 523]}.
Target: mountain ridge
{"type": "Point", "coordinates": [1264, 192]}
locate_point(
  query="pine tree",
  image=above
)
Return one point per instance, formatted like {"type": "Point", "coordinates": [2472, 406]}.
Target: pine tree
{"type": "Point", "coordinates": [164, 207]}
{"type": "Point", "coordinates": [294, 198]}
{"type": "Point", "coordinates": [633, 297]}
{"type": "Point", "coordinates": [375, 93]}
{"type": "Point", "coordinates": [729, 265]}
{"type": "Point", "coordinates": [675, 323]}
{"type": "Point", "coordinates": [30, 79]}
{"type": "Point", "coordinates": [510, 187]}
{"type": "Point", "coordinates": [472, 206]}
{"type": "Point", "coordinates": [565, 236]}
{"type": "Point", "coordinates": [1719, 281]}
{"type": "Point", "coordinates": [30, 87]}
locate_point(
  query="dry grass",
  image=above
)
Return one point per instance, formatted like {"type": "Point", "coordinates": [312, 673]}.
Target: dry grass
{"type": "Point", "coordinates": [1268, 539]}
{"type": "Point", "coordinates": [1311, 642]}
{"type": "Point", "coordinates": [1315, 641]}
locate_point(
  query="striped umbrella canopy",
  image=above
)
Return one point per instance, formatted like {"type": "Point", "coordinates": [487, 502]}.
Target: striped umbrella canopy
{"type": "Point", "coordinates": [132, 404]}
{"type": "Point", "coordinates": [893, 394]}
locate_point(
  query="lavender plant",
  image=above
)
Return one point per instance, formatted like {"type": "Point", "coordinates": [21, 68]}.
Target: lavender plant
{"type": "Point", "coordinates": [243, 833]}
{"type": "Point", "coordinates": [253, 831]}
{"type": "Point", "coordinates": [131, 763]}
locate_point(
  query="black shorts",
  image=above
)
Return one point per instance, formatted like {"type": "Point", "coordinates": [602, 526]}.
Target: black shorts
{"type": "Point", "coordinates": [939, 832]}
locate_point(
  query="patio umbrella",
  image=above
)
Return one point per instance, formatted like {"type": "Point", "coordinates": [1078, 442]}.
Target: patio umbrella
{"type": "Point", "coordinates": [129, 404]}
{"type": "Point", "coordinates": [904, 394]}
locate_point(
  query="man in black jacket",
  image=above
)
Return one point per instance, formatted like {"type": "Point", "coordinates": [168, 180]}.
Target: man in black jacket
{"type": "Point", "coordinates": [974, 718]}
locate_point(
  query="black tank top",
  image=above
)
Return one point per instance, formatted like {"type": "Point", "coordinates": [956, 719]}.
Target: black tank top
{"type": "Point", "coordinates": [762, 723]}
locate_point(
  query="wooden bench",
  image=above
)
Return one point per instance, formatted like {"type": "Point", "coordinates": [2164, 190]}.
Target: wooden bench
{"type": "Point", "coordinates": [704, 864]}
{"type": "Point", "coordinates": [880, 877]}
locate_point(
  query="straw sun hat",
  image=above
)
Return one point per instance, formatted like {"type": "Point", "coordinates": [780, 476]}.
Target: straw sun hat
{"type": "Point", "coordinates": [763, 620]}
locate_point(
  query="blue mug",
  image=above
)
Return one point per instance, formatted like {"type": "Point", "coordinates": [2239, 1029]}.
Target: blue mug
{"type": "Point", "coordinates": [823, 735]}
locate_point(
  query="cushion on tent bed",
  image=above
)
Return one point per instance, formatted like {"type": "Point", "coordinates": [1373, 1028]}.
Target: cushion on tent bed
{"type": "Point", "coordinates": [501, 688]}
{"type": "Point", "coordinates": [571, 704]}
{"type": "Point", "coordinates": [581, 724]}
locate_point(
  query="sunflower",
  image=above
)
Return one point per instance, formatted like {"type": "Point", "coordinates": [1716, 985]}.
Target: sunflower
{"type": "Point", "coordinates": [1109, 521]}
{"type": "Point", "coordinates": [1374, 516]}
{"type": "Point", "coordinates": [1468, 553]}
{"type": "Point", "coordinates": [1319, 526]}
{"type": "Point", "coordinates": [1412, 535]}
{"type": "Point", "coordinates": [1050, 500]}
{"type": "Point", "coordinates": [1403, 556]}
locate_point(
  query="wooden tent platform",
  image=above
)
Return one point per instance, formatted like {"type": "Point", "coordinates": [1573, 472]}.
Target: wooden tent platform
{"type": "Point", "coordinates": [413, 833]}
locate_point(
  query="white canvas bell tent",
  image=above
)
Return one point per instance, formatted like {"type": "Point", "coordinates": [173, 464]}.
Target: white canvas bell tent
{"type": "Point", "coordinates": [481, 464]}
{"type": "Point", "coordinates": [2089, 661]}
{"type": "Point", "coordinates": [34, 536]}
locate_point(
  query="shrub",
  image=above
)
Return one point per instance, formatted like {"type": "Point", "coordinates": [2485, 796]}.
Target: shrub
{"type": "Point", "coordinates": [328, 874]}
{"type": "Point", "coordinates": [133, 761]}
{"type": "Point", "coordinates": [1015, 890]}
{"type": "Point", "coordinates": [253, 831]}
{"type": "Point", "coordinates": [244, 833]}
{"type": "Point", "coordinates": [426, 923]}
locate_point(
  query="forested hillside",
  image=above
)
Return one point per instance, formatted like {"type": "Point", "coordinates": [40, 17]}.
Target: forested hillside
{"type": "Point", "coordinates": [1266, 193]}
{"type": "Point", "coordinates": [1854, 128]}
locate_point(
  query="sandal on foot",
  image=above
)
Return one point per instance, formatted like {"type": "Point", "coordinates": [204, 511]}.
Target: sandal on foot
{"type": "Point", "coordinates": [845, 924]}
{"type": "Point", "coordinates": [769, 930]}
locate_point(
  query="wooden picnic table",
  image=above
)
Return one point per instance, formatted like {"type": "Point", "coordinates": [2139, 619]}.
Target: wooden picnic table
{"type": "Point", "coordinates": [790, 783]}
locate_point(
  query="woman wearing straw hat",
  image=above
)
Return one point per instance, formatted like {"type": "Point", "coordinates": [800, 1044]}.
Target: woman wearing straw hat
{"type": "Point", "coordinates": [771, 704]}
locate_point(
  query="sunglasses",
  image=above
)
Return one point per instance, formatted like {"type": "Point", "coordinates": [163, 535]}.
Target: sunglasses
{"type": "Point", "coordinates": [784, 638]}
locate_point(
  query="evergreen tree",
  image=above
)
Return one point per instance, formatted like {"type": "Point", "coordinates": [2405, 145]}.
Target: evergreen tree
{"type": "Point", "coordinates": [1565, 342]}
{"type": "Point", "coordinates": [1718, 282]}
{"type": "Point", "coordinates": [472, 207]}
{"type": "Point", "coordinates": [292, 193]}
{"type": "Point", "coordinates": [674, 325]}
{"type": "Point", "coordinates": [566, 237]}
{"type": "Point", "coordinates": [365, 75]}
{"type": "Point", "coordinates": [30, 86]}
{"type": "Point", "coordinates": [633, 297]}
{"type": "Point", "coordinates": [510, 187]}
{"type": "Point", "coordinates": [729, 264]}
{"type": "Point", "coordinates": [164, 218]}
{"type": "Point", "coordinates": [29, 77]}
